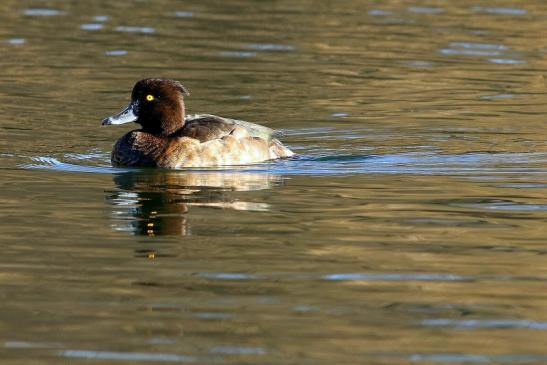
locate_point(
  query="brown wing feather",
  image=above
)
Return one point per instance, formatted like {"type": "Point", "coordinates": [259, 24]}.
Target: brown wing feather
{"type": "Point", "coordinates": [206, 127]}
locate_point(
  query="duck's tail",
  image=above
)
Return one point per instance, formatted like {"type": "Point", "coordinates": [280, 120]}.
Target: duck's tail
{"type": "Point", "coordinates": [278, 150]}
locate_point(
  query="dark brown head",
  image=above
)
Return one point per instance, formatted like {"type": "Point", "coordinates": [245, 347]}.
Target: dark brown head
{"type": "Point", "coordinates": [156, 104]}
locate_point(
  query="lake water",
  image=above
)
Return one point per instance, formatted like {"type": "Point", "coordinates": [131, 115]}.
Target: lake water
{"type": "Point", "coordinates": [410, 229]}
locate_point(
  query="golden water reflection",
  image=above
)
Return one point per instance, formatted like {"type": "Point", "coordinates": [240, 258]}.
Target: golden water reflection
{"type": "Point", "coordinates": [157, 202]}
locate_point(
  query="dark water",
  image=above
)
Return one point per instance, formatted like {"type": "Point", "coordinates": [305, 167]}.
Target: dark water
{"type": "Point", "coordinates": [411, 228]}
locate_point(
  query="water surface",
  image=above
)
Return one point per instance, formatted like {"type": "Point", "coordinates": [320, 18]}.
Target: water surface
{"type": "Point", "coordinates": [410, 228]}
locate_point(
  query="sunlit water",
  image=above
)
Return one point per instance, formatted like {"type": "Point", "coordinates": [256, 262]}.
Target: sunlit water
{"type": "Point", "coordinates": [409, 228]}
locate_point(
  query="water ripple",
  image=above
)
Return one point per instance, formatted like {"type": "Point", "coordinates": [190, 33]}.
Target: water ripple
{"type": "Point", "coordinates": [468, 52]}
{"type": "Point", "coordinates": [425, 10]}
{"type": "Point", "coordinates": [238, 54]}
{"type": "Point", "coordinates": [463, 358]}
{"type": "Point", "coordinates": [237, 350]}
{"type": "Point", "coordinates": [101, 18]}
{"type": "Point", "coordinates": [497, 96]}
{"type": "Point", "coordinates": [51, 163]}
{"type": "Point", "coordinates": [473, 358]}
{"type": "Point", "coordinates": [415, 163]}
{"type": "Point", "coordinates": [129, 29]}
{"type": "Point", "coordinates": [499, 10]}
{"type": "Point", "coordinates": [184, 14]}
{"type": "Point", "coordinates": [126, 356]}
{"type": "Point", "coordinates": [43, 12]}
{"type": "Point", "coordinates": [395, 277]}
{"type": "Point", "coordinates": [116, 52]}
{"type": "Point", "coordinates": [226, 276]}
{"type": "Point", "coordinates": [30, 345]}
{"type": "Point", "coordinates": [16, 41]}
{"type": "Point", "coordinates": [213, 315]}
{"type": "Point", "coordinates": [485, 323]}
{"type": "Point", "coordinates": [506, 61]}
{"type": "Point", "coordinates": [91, 26]}
{"type": "Point", "coordinates": [474, 45]}
{"type": "Point", "coordinates": [270, 47]}
{"type": "Point", "coordinates": [498, 205]}
{"type": "Point", "coordinates": [379, 12]}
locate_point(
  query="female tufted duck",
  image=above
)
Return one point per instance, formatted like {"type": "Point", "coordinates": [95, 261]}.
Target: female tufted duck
{"type": "Point", "coordinates": [169, 139]}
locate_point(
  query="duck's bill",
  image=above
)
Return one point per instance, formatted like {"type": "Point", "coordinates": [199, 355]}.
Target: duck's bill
{"type": "Point", "coordinates": [127, 115]}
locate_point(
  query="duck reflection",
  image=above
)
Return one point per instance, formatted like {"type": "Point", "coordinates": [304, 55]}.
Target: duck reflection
{"type": "Point", "coordinates": [157, 202]}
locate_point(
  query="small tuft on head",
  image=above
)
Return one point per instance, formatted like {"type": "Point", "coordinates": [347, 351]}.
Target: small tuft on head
{"type": "Point", "coordinates": [184, 91]}
{"type": "Point", "coordinates": [159, 83]}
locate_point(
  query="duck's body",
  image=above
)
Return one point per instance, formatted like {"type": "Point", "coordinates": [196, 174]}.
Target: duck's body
{"type": "Point", "coordinates": [168, 139]}
{"type": "Point", "coordinates": [205, 140]}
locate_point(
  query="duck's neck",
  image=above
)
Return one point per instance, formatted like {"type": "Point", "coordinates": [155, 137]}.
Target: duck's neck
{"type": "Point", "coordinates": [172, 124]}
{"type": "Point", "coordinates": [170, 121]}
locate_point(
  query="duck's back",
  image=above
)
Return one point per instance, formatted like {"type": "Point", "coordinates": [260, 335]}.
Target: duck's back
{"type": "Point", "coordinates": [205, 140]}
{"type": "Point", "coordinates": [205, 127]}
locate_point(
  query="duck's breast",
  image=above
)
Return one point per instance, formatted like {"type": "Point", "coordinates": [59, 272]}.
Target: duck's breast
{"type": "Point", "coordinates": [136, 149]}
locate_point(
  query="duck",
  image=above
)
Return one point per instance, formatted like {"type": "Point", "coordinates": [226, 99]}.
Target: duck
{"type": "Point", "coordinates": [168, 138]}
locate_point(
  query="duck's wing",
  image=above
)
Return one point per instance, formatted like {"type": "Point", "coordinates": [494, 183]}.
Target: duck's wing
{"type": "Point", "coordinates": [206, 127]}
{"type": "Point", "coordinates": [256, 130]}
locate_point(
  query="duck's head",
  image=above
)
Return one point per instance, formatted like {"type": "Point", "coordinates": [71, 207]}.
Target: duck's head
{"type": "Point", "coordinates": [156, 104]}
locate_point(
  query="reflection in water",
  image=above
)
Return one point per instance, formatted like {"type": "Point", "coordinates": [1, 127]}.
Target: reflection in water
{"type": "Point", "coordinates": [157, 202]}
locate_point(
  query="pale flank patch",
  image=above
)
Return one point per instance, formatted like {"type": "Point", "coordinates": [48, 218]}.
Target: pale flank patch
{"type": "Point", "coordinates": [229, 150]}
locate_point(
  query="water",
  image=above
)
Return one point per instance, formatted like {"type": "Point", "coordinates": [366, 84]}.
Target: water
{"type": "Point", "coordinates": [410, 228]}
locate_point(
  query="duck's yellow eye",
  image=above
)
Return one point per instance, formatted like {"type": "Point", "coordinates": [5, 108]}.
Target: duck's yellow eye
{"type": "Point", "coordinates": [149, 97]}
